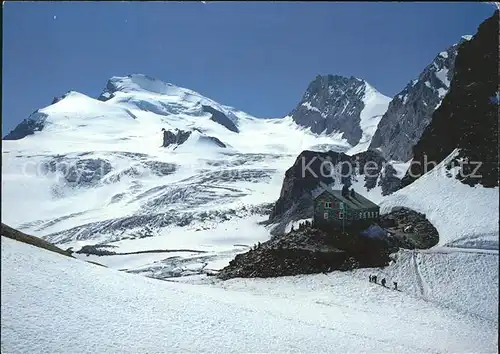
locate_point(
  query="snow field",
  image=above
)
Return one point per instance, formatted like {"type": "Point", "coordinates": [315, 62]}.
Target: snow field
{"type": "Point", "coordinates": [101, 310]}
{"type": "Point", "coordinates": [458, 212]}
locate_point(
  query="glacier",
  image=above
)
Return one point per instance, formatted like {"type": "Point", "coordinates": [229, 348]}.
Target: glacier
{"type": "Point", "coordinates": [98, 172]}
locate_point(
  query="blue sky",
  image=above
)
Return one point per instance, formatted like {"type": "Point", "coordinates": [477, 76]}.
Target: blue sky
{"type": "Point", "coordinates": [258, 57]}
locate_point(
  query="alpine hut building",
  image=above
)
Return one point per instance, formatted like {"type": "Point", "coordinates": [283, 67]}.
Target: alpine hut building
{"type": "Point", "coordinates": [342, 208]}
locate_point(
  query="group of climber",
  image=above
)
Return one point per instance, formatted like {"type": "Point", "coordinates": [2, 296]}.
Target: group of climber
{"type": "Point", "coordinates": [373, 279]}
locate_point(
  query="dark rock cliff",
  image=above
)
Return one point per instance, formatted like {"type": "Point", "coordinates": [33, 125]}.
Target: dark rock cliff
{"type": "Point", "coordinates": [332, 103]}
{"type": "Point", "coordinates": [468, 116]}
{"type": "Point", "coordinates": [221, 118]}
{"type": "Point", "coordinates": [35, 123]}
{"type": "Point", "coordinates": [410, 111]}
{"type": "Point", "coordinates": [334, 169]}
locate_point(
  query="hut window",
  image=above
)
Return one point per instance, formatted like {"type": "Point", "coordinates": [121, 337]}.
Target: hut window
{"type": "Point", "coordinates": [341, 215]}
{"type": "Point", "coordinates": [325, 216]}
{"type": "Point", "coordinates": [328, 204]}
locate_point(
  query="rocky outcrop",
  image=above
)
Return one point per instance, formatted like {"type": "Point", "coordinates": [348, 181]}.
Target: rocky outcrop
{"type": "Point", "coordinates": [108, 92]}
{"type": "Point", "coordinates": [468, 116]}
{"type": "Point", "coordinates": [307, 251]}
{"type": "Point", "coordinates": [176, 137]}
{"type": "Point", "coordinates": [332, 103]}
{"type": "Point", "coordinates": [410, 229]}
{"type": "Point", "coordinates": [220, 118]}
{"type": "Point", "coordinates": [17, 235]}
{"type": "Point", "coordinates": [334, 169]}
{"type": "Point", "coordinates": [34, 123]}
{"type": "Point", "coordinates": [312, 250]}
{"type": "Point", "coordinates": [56, 99]}
{"type": "Point", "coordinates": [410, 111]}
{"type": "Point", "coordinates": [214, 141]}
{"type": "Point", "coordinates": [179, 137]}
{"type": "Point", "coordinates": [266, 263]}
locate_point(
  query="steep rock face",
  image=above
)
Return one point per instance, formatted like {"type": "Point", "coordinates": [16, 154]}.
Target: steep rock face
{"type": "Point", "coordinates": [410, 111]}
{"type": "Point", "coordinates": [213, 140]}
{"type": "Point", "coordinates": [176, 137]}
{"type": "Point", "coordinates": [35, 122]}
{"type": "Point", "coordinates": [334, 103]}
{"type": "Point", "coordinates": [468, 116]}
{"type": "Point", "coordinates": [368, 170]}
{"type": "Point", "coordinates": [179, 137]}
{"type": "Point", "coordinates": [221, 118]}
{"type": "Point", "coordinates": [109, 91]}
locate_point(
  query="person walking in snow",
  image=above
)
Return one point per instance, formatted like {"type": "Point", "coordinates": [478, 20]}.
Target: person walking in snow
{"type": "Point", "coordinates": [370, 279]}
{"type": "Point", "coordinates": [383, 282]}
{"type": "Point", "coordinates": [374, 279]}
{"type": "Point", "coordinates": [395, 285]}
{"type": "Point", "coordinates": [165, 137]}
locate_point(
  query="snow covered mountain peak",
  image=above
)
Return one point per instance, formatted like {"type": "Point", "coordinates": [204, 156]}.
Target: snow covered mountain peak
{"type": "Point", "coordinates": [332, 86]}
{"type": "Point", "coordinates": [138, 91]}
{"type": "Point", "coordinates": [137, 83]}
{"type": "Point", "coordinates": [338, 104]}
{"type": "Point", "coordinates": [129, 97]}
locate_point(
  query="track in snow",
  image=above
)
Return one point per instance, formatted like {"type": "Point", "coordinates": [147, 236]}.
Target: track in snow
{"type": "Point", "coordinates": [421, 283]}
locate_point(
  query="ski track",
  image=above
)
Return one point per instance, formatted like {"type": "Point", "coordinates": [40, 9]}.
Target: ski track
{"type": "Point", "coordinates": [421, 283]}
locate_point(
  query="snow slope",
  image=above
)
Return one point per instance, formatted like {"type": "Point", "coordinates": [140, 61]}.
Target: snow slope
{"type": "Point", "coordinates": [101, 310]}
{"type": "Point", "coordinates": [146, 93]}
{"type": "Point", "coordinates": [465, 280]}
{"type": "Point", "coordinates": [97, 172]}
{"type": "Point", "coordinates": [375, 105]}
{"type": "Point", "coordinates": [464, 216]}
